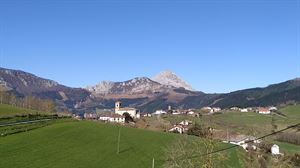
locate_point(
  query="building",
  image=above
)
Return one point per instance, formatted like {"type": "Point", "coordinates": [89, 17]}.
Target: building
{"type": "Point", "coordinates": [147, 115]}
{"type": "Point", "coordinates": [185, 122]}
{"type": "Point", "coordinates": [207, 109]}
{"type": "Point", "coordinates": [263, 110]}
{"type": "Point", "coordinates": [273, 109]}
{"type": "Point", "coordinates": [275, 150]}
{"type": "Point", "coordinates": [235, 108]}
{"type": "Point", "coordinates": [134, 113]}
{"type": "Point", "coordinates": [216, 109]}
{"type": "Point", "coordinates": [90, 116]}
{"type": "Point", "coordinates": [244, 110]}
{"type": "Point", "coordinates": [159, 112]}
{"type": "Point", "coordinates": [177, 128]}
{"type": "Point", "coordinates": [112, 117]}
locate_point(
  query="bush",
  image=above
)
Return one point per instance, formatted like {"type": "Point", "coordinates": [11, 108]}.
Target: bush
{"type": "Point", "coordinates": [199, 130]}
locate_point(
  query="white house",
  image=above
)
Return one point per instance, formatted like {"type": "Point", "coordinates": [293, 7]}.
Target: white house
{"type": "Point", "coordinates": [208, 109]}
{"type": "Point", "coordinates": [275, 150]}
{"type": "Point", "coordinates": [159, 112]}
{"type": "Point", "coordinates": [178, 128]}
{"type": "Point", "coordinates": [134, 113]}
{"type": "Point", "coordinates": [90, 116]}
{"type": "Point", "coordinates": [191, 113]}
{"type": "Point", "coordinates": [216, 109]}
{"type": "Point", "coordinates": [185, 122]}
{"type": "Point", "coordinates": [243, 141]}
{"type": "Point", "coordinates": [176, 113]}
{"type": "Point", "coordinates": [244, 110]}
{"type": "Point", "coordinates": [235, 108]}
{"type": "Point", "coordinates": [112, 117]}
{"type": "Point", "coordinates": [147, 115]}
{"type": "Point", "coordinates": [263, 110]}
{"type": "Point", "coordinates": [273, 108]}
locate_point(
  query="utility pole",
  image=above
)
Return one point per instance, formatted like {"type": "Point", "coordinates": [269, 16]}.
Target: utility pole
{"type": "Point", "coordinates": [153, 162]}
{"type": "Point", "coordinates": [119, 137]}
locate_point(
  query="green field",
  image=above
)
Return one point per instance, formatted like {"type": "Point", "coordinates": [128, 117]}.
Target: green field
{"type": "Point", "coordinates": [8, 110]}
{"type": "Point", "coordinates": [87, 144]}
{"type": "Point", "coordinates": [292, 112]}
{"type": "Point", "coordinates": [91, 144]}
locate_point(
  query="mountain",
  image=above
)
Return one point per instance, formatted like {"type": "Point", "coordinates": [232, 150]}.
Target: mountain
{"type": "Point", "coordinates": [25, 84]}
{"type": "Point", "coordinates": [171, 79]}
{"type": "Point", "coordinates": [143, 93]}
{"type": "Point", "coordinates": [140, 92]}
{"type": "Point", "coordinates": [274, 94]}
{"type": "Point", "coordinates": [132, 88]}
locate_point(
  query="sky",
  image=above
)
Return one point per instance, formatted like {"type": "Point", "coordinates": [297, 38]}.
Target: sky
{"type": "Point", "coordinates": [216, 46]}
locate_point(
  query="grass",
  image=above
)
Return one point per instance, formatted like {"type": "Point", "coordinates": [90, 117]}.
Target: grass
{"type": "Point", "coordinates": [8, 110]}
{"type": "Point", "coordinates": [86, 144]}
{"type": "Point", "coordinates": [287, 147]}
{"type": "Point", "coordinates": [292, 112]}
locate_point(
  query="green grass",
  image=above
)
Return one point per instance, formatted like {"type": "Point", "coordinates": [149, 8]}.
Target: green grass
{"type": "Point", "coordinates": [292, 112]}
{"type": "Point", "coordinates": [8, 110]}
{"type": "Point", "coordinates": [87, 144]}
{"type": "Point", "coordinates": [287, 147]}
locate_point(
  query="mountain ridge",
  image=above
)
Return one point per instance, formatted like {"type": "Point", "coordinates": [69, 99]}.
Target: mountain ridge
{"type": "Point", "coordinates": [142, 93]}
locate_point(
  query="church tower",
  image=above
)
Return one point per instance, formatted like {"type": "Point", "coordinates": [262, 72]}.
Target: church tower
{"type": "Point", "coordinates": [118, 105]}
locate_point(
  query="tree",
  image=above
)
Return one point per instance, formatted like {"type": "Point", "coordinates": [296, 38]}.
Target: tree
{"type": "Point", "coordinates": [128, 118]}
{"type": "Point", "coordinates": [187, 152]}
{"type": "Point", "coordinates": [199, 130]}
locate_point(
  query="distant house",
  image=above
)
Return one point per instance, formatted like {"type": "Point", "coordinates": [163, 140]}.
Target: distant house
{"type": "Point", "coordinates": [185, 123]}
{"type": "Point", "coordinates": [77, 117]}
{"type": "Point", "coordinates": [159, 112]}
{"type": "Point", "coordinates": [244, 110]}
{"type": "Point", "coordinates": [275, 150]}
{"type": "Point", "coordinates": [192, 113]}
{"type": "Point", "coordinates": [235, 108]}
{"type": "Point", "coordinates": [90, 116]}
{"type": "Point", "coordinates": [147, 115]}
{"type": "Point", "coordinates": [264, 110]}
{"type": "Point", "coordinates": [112, 117]}
{"type": "Point", "coordinates": [245, 141]}
{"type": "Point", "coordinates": [177, 128]}
{"type": "Point", "coordinates": [274, 109]}
{"type": "Point", "coordinates": [216, 109]}
{"type": "Point", "coordinates": [176, 112]}
{"type": "Point", "coordinates": [207, 109]}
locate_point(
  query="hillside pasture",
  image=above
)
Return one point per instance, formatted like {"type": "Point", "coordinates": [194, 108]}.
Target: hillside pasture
{"type": "Point", "coordinates": [88, 144]}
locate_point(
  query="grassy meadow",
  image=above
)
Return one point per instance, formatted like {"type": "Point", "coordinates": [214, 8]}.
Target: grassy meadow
{"type": "Point", "coordinates": [8, 110]}
{"type": "Point", "coordinates": [86, 144]}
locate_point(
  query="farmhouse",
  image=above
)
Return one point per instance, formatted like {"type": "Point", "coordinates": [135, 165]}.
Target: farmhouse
{"type": "Point", "coordinates": [112, 117]}
{"type": "Point", "coordinates": [245, 141]}
{"type": "Point", "coordinates": [275, 150]}
{"type": "Point", "coordinates": [263, 110]}
{"type": "Point", "coordinates": [134, 113]}
{"type": "Point", "coordinates": [244, 110]}
{"type": "Point", "coordinates": [90, 116]}
{"type": "Point", "coordinates": [159, 112]}
{"type": "Point", "coordinates": [177, 128]}
{"type": "Point", "coordinates": [185, 122]}
{"type": "Point", "coordinates": [207, 109]}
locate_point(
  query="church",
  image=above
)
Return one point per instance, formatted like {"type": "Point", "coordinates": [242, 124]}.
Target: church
{"type": "Point", "coordinates": [134, 113]}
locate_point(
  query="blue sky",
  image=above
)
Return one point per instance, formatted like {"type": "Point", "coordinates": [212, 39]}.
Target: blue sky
{"type": "Point", "coordinates": [216, 46]}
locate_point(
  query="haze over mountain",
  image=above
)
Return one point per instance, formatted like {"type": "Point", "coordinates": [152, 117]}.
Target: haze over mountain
{"type": "Point", "coordinates": [143, 93]}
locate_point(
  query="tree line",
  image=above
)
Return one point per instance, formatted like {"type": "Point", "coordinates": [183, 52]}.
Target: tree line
{"type": "Point", "coordinates": [29, 102]}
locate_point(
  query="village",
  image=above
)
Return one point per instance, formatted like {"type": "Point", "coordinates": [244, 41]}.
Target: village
{"type": "Point", "coordinates": [131, 116]}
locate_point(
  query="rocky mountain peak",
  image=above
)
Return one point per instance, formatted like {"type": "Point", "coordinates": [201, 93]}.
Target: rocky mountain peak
{"type": "Point", "coordinates": [169, 78]}
{"type": "Point", "coordinates": [101, 88]}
